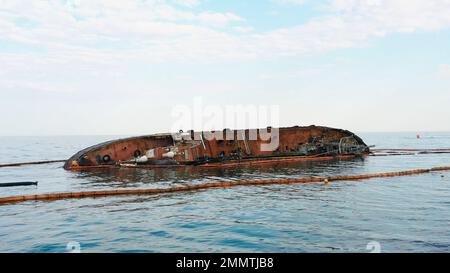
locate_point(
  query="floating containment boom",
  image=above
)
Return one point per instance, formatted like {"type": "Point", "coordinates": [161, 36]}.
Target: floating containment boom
{"type": "Point", "coordinates": [326, 180]}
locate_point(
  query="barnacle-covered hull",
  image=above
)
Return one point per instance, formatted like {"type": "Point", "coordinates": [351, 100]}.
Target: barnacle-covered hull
{"type": "Point", "coordinates": [221, 148]}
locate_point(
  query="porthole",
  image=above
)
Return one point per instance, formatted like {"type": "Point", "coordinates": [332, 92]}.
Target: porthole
{"type": "Point", "coordinates": [106, 158]}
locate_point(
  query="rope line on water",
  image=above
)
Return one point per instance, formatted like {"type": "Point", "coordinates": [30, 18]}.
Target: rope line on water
{"type": "Point", "coordinates": [55, 196]}
{"type": "Point", "coordinates": [31, 163]}
{"type": "Point", "coordinates": [375, 152]}
{"type": "Point", "coordinates": [412, 149]}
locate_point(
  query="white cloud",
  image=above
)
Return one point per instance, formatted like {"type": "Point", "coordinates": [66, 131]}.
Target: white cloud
{"type": "Point", "coordinates": [353, 23]}
{"type": "Point", "coordinates": [109, 30]}
{"type": "Point", "coordinates": [105, 32]}
{"type": "Point", "coordinates": [396, 15]}
{"type": "Point", "coordinates": [444, 71]}
{"type": "Point", "coordinates": [243, 29]}
{"type": "Point", "coordinates": [82, 54]}
{"type": "Point", "coordinates": [159, 30]}
{"type": "Point", "coordinates": [293, 2]}
{"type": "Point", "coordinates": [188, 3]}
{"type": "Point", "coordinates": [219, 19]}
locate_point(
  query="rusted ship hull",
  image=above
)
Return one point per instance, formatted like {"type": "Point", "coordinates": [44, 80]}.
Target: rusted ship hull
{"type": "Point", "coordinates": [221, 148]}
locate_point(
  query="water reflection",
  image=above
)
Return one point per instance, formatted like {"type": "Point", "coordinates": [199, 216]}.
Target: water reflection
{"type": "Point", "coordinates": [132, 177]}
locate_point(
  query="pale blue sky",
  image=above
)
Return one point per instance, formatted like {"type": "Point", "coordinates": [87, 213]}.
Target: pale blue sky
{"type": "Point", "coordinates": [119, 67]}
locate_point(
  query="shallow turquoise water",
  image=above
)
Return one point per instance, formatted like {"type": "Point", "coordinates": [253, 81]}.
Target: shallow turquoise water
{"type": "Point", "coordinates": [402, 214]}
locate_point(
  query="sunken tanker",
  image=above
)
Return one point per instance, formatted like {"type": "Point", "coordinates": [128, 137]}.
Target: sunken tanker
{"type": "Point", "coordinates": [221, 148]}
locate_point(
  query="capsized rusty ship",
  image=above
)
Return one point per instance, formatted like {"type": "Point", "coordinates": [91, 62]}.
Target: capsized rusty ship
{"type": "Point", "coordinates": [221, 148]}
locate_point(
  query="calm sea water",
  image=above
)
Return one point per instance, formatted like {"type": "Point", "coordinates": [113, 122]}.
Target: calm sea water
{"type": "Point", "coordinates": [410, 213]}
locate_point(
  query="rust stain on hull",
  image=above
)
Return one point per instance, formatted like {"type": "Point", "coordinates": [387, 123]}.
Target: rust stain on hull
{"type": "Point", "coordinates": [227, 148]}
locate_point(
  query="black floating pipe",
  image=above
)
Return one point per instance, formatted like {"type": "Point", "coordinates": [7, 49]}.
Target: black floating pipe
{"type": "Point", "coordinates": [16, 184]}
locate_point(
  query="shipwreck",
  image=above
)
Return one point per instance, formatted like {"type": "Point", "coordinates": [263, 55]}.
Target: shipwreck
{"type": "Point", "coordinates": [221, 148]}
